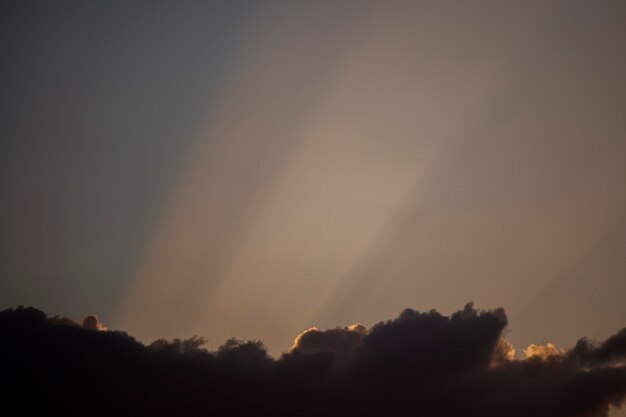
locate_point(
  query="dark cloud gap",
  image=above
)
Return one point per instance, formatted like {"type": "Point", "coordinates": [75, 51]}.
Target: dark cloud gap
{"type": "Point", "coordinates": [420, 363]}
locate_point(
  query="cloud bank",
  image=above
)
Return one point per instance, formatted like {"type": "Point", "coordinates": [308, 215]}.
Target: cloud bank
{"type": "Point", "coordinates": [418, 364]}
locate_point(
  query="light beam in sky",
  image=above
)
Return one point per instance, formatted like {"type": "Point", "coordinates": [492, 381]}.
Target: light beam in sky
{"type": "Point", "coordinates": [370, 165]}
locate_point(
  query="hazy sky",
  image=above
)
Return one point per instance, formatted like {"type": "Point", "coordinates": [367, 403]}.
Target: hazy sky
{"type": "Point", "coordinates": [256, 168]}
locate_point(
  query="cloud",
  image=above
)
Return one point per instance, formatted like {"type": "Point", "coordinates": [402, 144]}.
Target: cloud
{"type": "Point", "coordinates": [91, 322]}
{"type": "Point", "coordinates": [543, 351]}
{"type": "Point", "coordinates": [503, 352]}
{"type": "Point", "coordinates": [611, 350]}
{"type": "Point", "coordinates": [420, 363]}
{"type": "Point", "coordinates": [340, 341]}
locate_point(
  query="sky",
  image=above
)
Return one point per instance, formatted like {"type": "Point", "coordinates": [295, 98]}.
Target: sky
{"type": "Point", "coordinates": [254, 169]}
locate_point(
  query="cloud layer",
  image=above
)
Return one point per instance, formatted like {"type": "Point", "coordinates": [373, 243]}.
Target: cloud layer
{"type": "Point", "coordinates": [420, 363]}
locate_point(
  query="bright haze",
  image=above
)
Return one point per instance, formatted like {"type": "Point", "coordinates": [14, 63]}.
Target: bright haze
{"type": "Point", "coordinates": [254, 169]}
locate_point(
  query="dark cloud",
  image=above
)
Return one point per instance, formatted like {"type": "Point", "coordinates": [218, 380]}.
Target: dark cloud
{"type": "Point", "coordinates": [612, 350]}
{"type": "Point", "coordinates": [91, 322]}
{"type": "Point", "coordinates": [420, 363]}
{"type": "Point", "coordinates": [340, 341]}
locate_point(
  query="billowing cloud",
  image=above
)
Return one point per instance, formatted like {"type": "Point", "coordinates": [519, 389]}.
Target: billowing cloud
{"type": "Point", "coordinates": [543, 351]}
{"type": "Point", "coordinates": [612, 350]}
{"type": "Point", "coordinates": [91, 322]}
{"type": "Point", "coordinates": [420, 363]}
{"type": "Point", "coordinates": [340, 341]}
{"type": "Point", "coordinates": [504, 352]}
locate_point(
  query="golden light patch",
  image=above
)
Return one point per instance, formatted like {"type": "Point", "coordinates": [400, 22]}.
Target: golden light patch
{"type": "Point", "coordinates": [543, 351]}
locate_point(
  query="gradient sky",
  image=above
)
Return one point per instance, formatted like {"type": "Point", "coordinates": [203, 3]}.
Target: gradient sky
{"type": "Point", "coordinates": [256, 168]}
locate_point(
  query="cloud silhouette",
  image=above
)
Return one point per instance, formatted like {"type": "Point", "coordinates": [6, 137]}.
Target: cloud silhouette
{"type": "Point", "coordinates": [339, 341]}
{"type": "Point", "coordinates": [612, 350]}
{"type": "Point", "coordinates": [91, 322]}
{"type": "Point", "coordinates": [420, 363]}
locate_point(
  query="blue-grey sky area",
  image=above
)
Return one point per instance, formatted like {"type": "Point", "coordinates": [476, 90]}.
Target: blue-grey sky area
{"type": "Point", "coordinates": [254, 169]}
{"type": "Point", "coordinates": [99, 102]}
